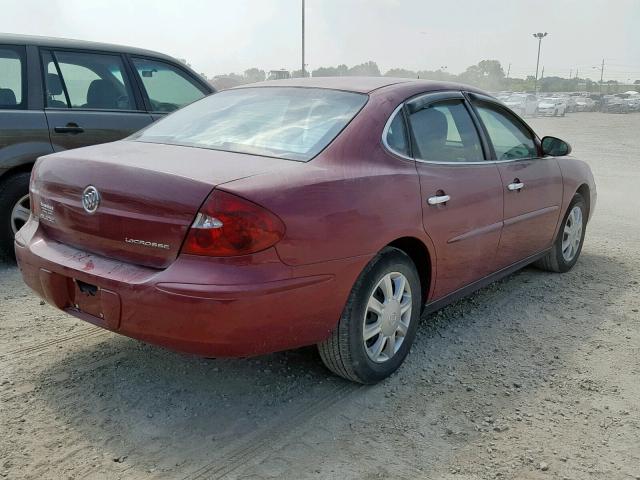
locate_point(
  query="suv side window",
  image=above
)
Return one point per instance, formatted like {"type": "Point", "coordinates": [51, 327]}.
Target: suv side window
{"type": "Point", "coordinates": [93, 81]}
{"type": "Point", "coordinates": [511, 140]}
{"type": "Point", "coordinates": [167, 87]}
{"type": "Point", "coordinates": [444, 132]}
{"type": "Point", "coordinates": [12, 75]}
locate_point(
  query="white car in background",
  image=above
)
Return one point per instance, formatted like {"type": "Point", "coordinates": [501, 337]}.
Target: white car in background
{"type": "Point", "coordinates": [523, 104]}
{"type": "Point", "coordinates": [553, 106]}
{"type": "Point", "coordinates": [584, 104]}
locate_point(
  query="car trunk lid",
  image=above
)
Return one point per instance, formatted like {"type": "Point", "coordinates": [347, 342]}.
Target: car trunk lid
{"type": "Point", "coordinates": [149, 195]}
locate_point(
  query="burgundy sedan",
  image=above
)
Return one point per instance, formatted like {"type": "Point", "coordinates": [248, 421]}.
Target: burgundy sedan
{"type": "Point", "coordinates": [328, 211]}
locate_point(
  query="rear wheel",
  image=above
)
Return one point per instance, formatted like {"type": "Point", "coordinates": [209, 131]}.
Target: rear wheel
{"type": "Point", "coordinates": [379, 321]}
{"type": "Point", "coordinates": [14, 209]}
{"type": "Point", "coordinates": [568, 245]}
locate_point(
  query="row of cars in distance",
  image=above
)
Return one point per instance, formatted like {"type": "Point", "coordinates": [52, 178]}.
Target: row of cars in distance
{"type": "Point", "coordinates": [559, 104]}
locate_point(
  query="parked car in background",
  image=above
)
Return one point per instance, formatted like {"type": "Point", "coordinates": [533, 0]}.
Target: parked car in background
{"type": "Point", "coordinates": [552, 106]}
{"type": "Point", "coordinates": [328, 211]}
{"type": "Point", "coordinates": [58, 94]}
{"type": "Point", "coordinates": [584, 104]}
{"type": "Point", "coordinates": [523, 104]}
{"type": "Point", "coordinates": [632, 102]}
{"type": "Point", "coordinates": [570, 102]}
{"type": "Point", "coordinates": [614, 104]}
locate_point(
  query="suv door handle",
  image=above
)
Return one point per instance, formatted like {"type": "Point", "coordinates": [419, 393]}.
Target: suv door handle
{"type": "Point", "coordinates": [515, 186]}
{"type": "Point", "coordinates": [438, 199]}
{"type": "Point", "coordinates": [69, 128]}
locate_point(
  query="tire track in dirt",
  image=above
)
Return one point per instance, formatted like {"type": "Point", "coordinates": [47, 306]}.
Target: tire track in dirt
{"type": "Point", "coordinates": [262, 441]}
{"type": "Point", "coordinates": [30, 350]}
{"type": "Point", "coordinates": [24, 388]}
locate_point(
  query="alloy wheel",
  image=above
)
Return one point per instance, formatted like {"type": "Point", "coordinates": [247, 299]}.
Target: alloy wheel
{"type": "Point", "coordinates": [387, 317]}
{"type": "Point", "coordinates": [20, 213]}
{"type": "Point", "coordinates": [572, 234]}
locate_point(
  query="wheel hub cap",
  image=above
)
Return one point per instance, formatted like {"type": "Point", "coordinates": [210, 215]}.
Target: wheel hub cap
{"type": "Point", "coordinates": [387, 317]}
{"type": "Point", "coordinates": [572, 234]}
{"type": "Point", "coordinates": [390, 317]}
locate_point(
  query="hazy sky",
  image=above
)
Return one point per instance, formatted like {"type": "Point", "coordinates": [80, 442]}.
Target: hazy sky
{"type": "Point", "coordinates": [229, 36]}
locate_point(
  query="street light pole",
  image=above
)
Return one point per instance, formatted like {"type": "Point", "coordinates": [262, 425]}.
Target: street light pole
{"type": "Point", "coordinates": [539, 36]}
{"type": "Point", "coordinates": [304, 70]}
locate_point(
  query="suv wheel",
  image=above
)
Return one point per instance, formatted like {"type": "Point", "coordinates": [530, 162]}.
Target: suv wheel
{"type": "Point", "coordinates": [379, 321]}
{"type": "Point", "coordinates": [14, 209]}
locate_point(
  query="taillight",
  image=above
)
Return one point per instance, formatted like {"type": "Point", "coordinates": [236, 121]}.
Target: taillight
{"type": "Point", "coordinates": [228, 225]}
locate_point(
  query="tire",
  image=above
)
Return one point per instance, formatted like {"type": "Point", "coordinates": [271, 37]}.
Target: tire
{"type": "Point", "coordinates": [12, 190]}
{"type": "Point", "coordinates": [556, 260]}
{"type": "Point", "coordinates": [346, 352]}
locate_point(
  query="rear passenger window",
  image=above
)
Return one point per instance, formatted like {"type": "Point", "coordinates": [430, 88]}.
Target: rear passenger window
{"type": "Point", "coordinates": [444, 132]}
{"type": "Point", "coordinates": [11, 77]}
{"type": "Point", "coordinates": [397, 135]}
{"type": "Point", "coordinates": [168, 87]}
{"type": "Point", "coordinates": [86, 80]}
{"type": "Point", "coordinates": [510, 139]}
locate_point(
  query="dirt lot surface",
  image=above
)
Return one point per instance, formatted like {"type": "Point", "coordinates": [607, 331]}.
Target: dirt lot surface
{"type": "Point", "coordinates": [534, 377]}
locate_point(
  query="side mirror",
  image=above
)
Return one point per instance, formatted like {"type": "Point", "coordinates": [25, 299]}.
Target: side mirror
{"type": "Point", "coordinates": [555, 147]}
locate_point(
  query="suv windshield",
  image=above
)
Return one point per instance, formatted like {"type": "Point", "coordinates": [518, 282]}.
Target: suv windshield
{"type": "Point", "coordinates": [284, 122]}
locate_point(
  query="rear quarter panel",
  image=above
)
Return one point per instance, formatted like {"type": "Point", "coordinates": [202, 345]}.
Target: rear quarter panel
{"type": "Point", "coordinates": [351, 200]}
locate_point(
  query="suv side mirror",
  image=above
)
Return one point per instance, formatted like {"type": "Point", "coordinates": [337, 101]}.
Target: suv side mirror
{"type": "Point", "coordinates": [555, 147]}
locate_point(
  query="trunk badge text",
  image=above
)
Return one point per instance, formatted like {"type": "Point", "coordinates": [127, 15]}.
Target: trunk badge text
{"type": "Point", "coordinates": [90, 199]}
{"type": "Point", "coordinates": [47, 212]}
{"type": "Point", "coordinates": [146, 243]}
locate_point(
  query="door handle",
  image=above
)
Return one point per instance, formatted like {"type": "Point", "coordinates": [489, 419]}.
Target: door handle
{"type": "Point", "coordinates": [438, 199]}
{"type": "Point", "coordinates": [515, 186]}
{"type": "Point", "coordinates": [69, 128]}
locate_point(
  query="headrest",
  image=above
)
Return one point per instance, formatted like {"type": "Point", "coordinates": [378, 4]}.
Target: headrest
{"type": "Point", "coordinates": [102, 94]}
{"type": "Point", "coordinates": [54, 85]}
{"type": "Point", "coordinates": [7, 97]}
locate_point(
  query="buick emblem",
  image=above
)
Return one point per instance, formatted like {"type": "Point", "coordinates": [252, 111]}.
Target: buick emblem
{"type": "Point", "coordinates": [90, 199]}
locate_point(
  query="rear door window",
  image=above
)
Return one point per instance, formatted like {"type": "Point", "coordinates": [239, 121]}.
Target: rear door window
{"type": "Point", "coordinates": [92, 81]}
{"type": "Point", "coordinates": [168, 87]}
{"type": "Point", "coordinates": [12, 75]}
{"type": "Point", "coordinates": [444, 132]}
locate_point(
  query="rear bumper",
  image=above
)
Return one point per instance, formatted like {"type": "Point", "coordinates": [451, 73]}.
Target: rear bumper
{"type": "Point", "coordinates": [237, 306]}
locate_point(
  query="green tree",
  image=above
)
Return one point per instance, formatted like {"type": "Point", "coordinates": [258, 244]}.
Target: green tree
{"type": "Point", "coordinates": [366, 69]}
{"type": "Point", "coordinates": [339, 71]}
{"type": "Point", "coordinates": [487, 74]}
{"type": "Point", "coordinates": [401, 72]}
{"type": "Point", "coordinates": [253, 75]}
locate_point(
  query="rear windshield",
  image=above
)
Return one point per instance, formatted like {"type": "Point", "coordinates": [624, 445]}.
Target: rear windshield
{"type": "Point", "coordinates": [291, 123]}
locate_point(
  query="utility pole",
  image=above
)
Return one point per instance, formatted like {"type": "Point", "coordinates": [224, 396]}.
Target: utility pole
{"type": "Point", "coordinates": [539, 36]}
{"type": "Point", "coordinates": [304, 69]}
{"type": "Point", "coordinates": [576, 77]}
{"type": "Point", "coordinates": [508, 71]}
{"type": "Point", "coordinates": [601, 76]}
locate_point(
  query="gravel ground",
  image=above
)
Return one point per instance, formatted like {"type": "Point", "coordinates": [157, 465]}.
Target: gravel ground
{"type": "Point", "coordinates": [534, 377]}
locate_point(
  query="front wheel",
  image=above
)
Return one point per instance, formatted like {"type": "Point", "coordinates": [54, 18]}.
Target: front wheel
{"type": "Point", "coordinates": [568, 244]}
{"type": "Point", "coordinates": [379, 321]}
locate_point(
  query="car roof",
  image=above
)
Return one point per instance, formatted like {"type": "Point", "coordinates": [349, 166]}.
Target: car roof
{"type": "Point", "coordinates": [363, 84]}
{"type": "Point", "coordinates": [54, 42]}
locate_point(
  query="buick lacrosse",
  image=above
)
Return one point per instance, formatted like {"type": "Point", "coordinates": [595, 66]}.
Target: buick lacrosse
{"type": "Point", "coordinates": [328, 211]}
